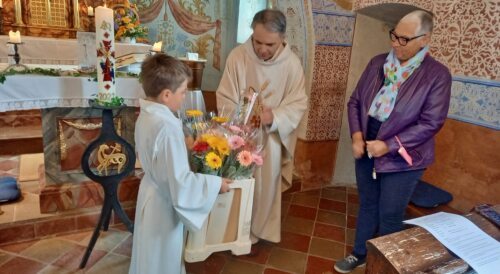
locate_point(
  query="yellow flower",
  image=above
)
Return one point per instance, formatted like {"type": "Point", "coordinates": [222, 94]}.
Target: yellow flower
{"type": "Point", "coordinates": [223, 147]}
{"type": "Point", "coordinates": [194, 113]}
{"type": "Point", "coordinates": [213, 141]}
{"type": "Point", "coordinates": [213, 161]}
{"type": "Point", "coordinates": [130, 26]}
{"type": "Point", "coordinates": [220, 120]}
{"type": "Point", "coordinates": [121, 11]}
{"type": "Point", "coordinates": [126, 20]}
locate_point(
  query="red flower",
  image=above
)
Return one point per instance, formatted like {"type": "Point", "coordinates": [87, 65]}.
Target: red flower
{"type": "Point", "coordinates": [200, 146]}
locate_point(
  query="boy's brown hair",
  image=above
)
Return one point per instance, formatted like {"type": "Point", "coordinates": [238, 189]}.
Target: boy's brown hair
{"type": "Point", "coordinates": [161, 71]}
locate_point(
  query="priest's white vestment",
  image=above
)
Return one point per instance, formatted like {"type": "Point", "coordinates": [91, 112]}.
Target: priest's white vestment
{"type": "Point", "coordinates": [170, 195]}
{"type": "Point", "coordinates": [285, 95]}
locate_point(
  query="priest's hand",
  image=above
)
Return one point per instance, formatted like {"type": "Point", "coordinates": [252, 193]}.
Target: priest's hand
{"type": "Point", "coordinates": [266, 117]}
{"type": "Point", "coordinates": [377, 148]}
{"type": "Point", "coordinates": [224, 187]}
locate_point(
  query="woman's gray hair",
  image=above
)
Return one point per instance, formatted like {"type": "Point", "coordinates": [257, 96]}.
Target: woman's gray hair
{"type": "Point", "coordinates": [426, 20]}
{"type": "Point", "coordinates": [273, 20]}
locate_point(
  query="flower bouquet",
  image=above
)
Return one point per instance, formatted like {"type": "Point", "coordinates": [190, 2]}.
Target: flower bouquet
{"type": "Point", "coordinates": [228, 149]}
{"type": "Point", "coordinates": [127, 23]}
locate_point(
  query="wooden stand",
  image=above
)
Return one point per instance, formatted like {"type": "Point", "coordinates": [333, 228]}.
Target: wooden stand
{"type": "Point", "coordinates": [108, 182]}
{"type": "Point", "coordinates": [227, 227]}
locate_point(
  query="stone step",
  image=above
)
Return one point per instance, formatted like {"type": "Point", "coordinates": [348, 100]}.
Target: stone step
{"type": "Point", "coordinates": [21, 140]}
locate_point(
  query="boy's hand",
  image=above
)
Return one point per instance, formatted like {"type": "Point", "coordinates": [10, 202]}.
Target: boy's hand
{"type": "Point", "coordinates": [224, 187]}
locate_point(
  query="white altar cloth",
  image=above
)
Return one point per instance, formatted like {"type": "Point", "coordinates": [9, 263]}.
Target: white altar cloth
{"type": "Point", "coordinates": [30, 91]}
{"type": "Point", "coordinates": [40, 50]}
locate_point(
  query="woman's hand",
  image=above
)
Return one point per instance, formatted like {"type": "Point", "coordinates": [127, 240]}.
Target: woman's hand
{"type": "Point", "coordinates": [224, 187]}
{"type": "Point", "coordinates": [358, 145]}
{"type": "Point", "coordinates": [377, 148]}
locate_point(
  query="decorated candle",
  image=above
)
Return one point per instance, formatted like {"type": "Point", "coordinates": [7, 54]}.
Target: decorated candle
{"type": "Point", "coordinates": [15, 37]}
{"type": "Point", "coordinates": [105, 43]}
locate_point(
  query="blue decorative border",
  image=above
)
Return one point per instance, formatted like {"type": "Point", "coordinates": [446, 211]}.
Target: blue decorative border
{"type": "Point", "coordinates": [331, 30]}
{"type": "Point", "coordinates": [475, 101]}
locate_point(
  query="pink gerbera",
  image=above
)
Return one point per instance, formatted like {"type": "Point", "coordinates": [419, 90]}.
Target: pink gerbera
{"type": "Point", "coordinates": [245, 158]}
{"type": "Point", "coordinates": [257, 159]}
{"type": "Point", "coordinates": [235, 129]}
{"type": "Point", "coordinates": [236, 142]}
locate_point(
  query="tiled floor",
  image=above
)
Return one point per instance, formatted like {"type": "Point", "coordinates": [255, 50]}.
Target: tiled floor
{"type": "Point", "coordinates": [317, 230]}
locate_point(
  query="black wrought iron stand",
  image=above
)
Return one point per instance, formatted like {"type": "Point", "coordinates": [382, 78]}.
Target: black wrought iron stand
{"type": "Point", "coordinates": [108, 182]}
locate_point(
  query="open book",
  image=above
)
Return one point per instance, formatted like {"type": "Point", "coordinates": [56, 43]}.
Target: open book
{"type": "Point", "coordinates": [130, 58]}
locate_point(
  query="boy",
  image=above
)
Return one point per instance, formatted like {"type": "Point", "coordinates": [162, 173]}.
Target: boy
{"type": "Point", "coordinates": [170, 195]}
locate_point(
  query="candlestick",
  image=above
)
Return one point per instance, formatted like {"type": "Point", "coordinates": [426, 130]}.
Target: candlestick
{"type": "Point", "coordinates": [105, 43]}
{"type": "Point", "coordinates": [17, 58]}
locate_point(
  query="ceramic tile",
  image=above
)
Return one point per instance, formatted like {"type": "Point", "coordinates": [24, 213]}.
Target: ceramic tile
{"type": "Point", "coordinates": [332, 205]}
{"type": "Point", "coordinates": [241, 267]}
{"type": "Point", "coordinates": [326, 248]}
{"type": "Point", "coordinates": [317, 265]}
{"type": "Point", "coordinates": [334, 194]}
{"type": "Point", "coordinates": [111, 264]}
{"type": "Point", "coordinates": [294, 241]}
{"type": "Point", "coordinates": [125, 247]}
{"type": "Point", "coordinates": [351, 222]}
{"type": "Point", "coordinates": [108, 240]}
{"type": "Point", "coordinates": [330, 232]}
{"type": "Point", "coordinates": [213, 264]}
{"type": "Point", "coordinates": [54, 226]}
{"type": "Point", "coordinates": [71, 260]}
{"type": "Point", "coordinates": [298, 225]}
{"type": "Point", "coordinates": [262, 250]}
{"type": "Point", "coordinates": [21, 265]}
{"type": "Point", "coordinates": [332, 218]}
{"type": "Point", "coordinates": [305, 199]}
{"type": "Point", "coordinates": [48, 250]}
{"type": "Point", "coordinates": [4, 257]}
{"type": "Point", "coordinates": [302, 212]}
{"type": "Point", "coordinates": [274, 271]}
{"type": "Point", "coordinates": [287, 260]}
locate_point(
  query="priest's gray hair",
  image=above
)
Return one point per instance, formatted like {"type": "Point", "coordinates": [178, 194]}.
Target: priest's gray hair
{"type": "Point", "coordinates": [425, 19]}
{"type": "Point", "coordinates": [273, 20]}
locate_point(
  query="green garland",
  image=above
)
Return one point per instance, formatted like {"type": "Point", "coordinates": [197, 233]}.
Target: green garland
{"type": "Point", "coordinates": [58, 73]}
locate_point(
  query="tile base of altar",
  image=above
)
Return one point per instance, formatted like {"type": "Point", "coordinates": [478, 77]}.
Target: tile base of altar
{"type": "Point", "coordinates": [228, 225]}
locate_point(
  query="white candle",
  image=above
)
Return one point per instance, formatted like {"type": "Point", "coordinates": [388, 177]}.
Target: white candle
{"type": "Point", "coordinates": [90, 11]}
{"type": "Point", "coordinates": [15, 37]}
{"type": "Point", "coordinates": [1, 5]}
{"type": "Point", "coordinates": [157, 47]}
{"type": "Point", "coordinates": [105, 42]}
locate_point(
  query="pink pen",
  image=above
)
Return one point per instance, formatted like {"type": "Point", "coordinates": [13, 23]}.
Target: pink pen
{"type": "Point", "coordinates": [402, 151]}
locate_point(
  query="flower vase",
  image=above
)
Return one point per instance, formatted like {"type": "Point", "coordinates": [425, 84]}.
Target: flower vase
{"type": "Point", "coordinates": [128, 40]}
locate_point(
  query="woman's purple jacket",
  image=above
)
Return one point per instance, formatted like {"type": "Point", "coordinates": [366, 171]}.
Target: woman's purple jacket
{"type": "Point", "coordinates": [419, 113]}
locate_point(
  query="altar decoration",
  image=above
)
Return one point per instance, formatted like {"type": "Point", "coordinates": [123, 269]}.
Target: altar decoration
{"type": "Point", "coordinates": [127, 24]}
{"type": "Point", "coordinates": [226, 148]}
{"type": "Point", "coordinates": [105, 45]}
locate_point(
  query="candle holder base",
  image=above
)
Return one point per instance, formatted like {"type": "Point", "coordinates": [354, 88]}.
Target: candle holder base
{"type": "Point", "coordinates": [17, 58]}
{"type": "Point", "coordinates": [16, 67]}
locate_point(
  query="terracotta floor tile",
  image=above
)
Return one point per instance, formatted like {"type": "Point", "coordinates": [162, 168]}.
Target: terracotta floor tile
{"type": "Point", "coordinates": [48, 250]}
{"type": "Point", "coordinates": [18, 247]}
{"type": "Point", "coordinates": [4, 257]}
{"type": "Point", "coordinates": [50, 269]}
{"type": "Point", "coordinates": [298, 225]}
{"type": "Point", "coordinates": [350, 235]}
{"type": "Point", "coordinates": [353, 198]}
{"type": "Point", "coordinates": [294, 241]}
{"type": "Point", "coordinates": [213, 264]}
{"type": "Point", "coordinates": [125, 247]}
{"type": "Point", "coordinates": [108, 240]}
{"type": "Point", "coordinates": [274, 271]}
{"type": "Point", "coordinates": [351, 222]}
{"type": "Point", "coordinates": [80, 238]}
{"type": "Point", "coordinates": [333, 194]}
{"type": "Point", "coordinates": [287, 260]}
{"type": "Point", "coordinates": [331, 205]}
{"type": "Point", "coordinates": [111, 264]}
{"type": "Point", "coordinates": [242, 267]}
{"type": "Point", "coordinates": [316, 265]}
{"type": "Point", "coordinates": [352, 209]}
{"type": "Point", "coordinates": [71, 260]}
{"type": "Point", "coordinates": [302, 212]}
{"type": "Point", "coordinates": [330, 232]}
{"type": "Point", "coordinates": [331, 218]}
{"type": "Point", "coordinates": [262, 249]}
{"type": "Point", "coordinates": [305, 200]}
{"type": "Point", "coordinates": [326, 248]}
{"type": "Point", "coordinates": [21, 265]}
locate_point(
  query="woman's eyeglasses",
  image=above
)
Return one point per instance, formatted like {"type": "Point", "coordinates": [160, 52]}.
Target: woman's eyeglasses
{"type": "Point", "coordinates": [403, 41]}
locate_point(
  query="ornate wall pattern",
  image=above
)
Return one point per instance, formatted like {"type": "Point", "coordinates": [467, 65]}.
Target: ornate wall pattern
{"type": "Point", "coordinates": [476, 102]}
{"type": "Point", "coordinates": [333, 30]}
{"type": "Point", "coordinates": [465, 37]}
{"type": "Point", "coordinates": [327, 99]}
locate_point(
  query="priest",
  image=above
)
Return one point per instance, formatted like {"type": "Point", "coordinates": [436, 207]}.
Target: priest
{"type": "Point", "coordinates": [265, 64]}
